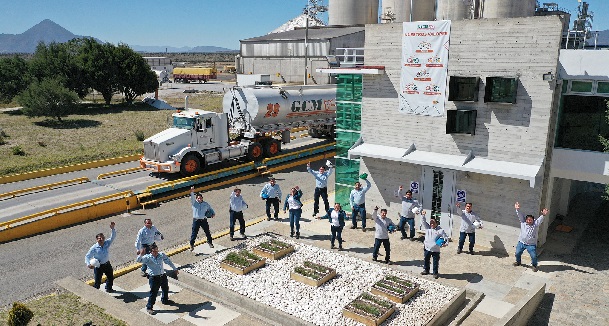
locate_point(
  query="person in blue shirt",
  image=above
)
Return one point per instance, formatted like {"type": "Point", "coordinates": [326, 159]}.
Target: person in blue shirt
{"type": "Point", "coordinates": [336, 217]}
{"type": "Point", "coordinates": [100, 251]}
{"type": "Point", "coordinates": [156, 276]}
{"type": "Point", "coordinates": [292, 201]}
{"type": "Point", "coordinates": [529, 228]}
{"type": "Point", "coordinates": [146, 237]}
{"type": "Point", "coordinates": [407, 214]}
{"type": "Point", "coordinates": [321, 187]}
{"type": "Point", "coordinates": [201, 211]}
{"type": "Point", "coordinates": [357, 199]}
{"type": "Point", "coordinates": [271, 193]}
{"type": "Point", "coordinates": [237, 205]}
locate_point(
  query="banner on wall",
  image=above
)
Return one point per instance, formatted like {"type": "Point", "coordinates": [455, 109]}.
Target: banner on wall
{"type": "Point", "coordinates": [425, 47]}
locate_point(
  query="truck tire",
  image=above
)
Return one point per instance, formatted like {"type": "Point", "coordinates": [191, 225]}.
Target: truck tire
{"type": "Point", "coordinates": [255, 152]}
{"type": "Point", "coordinates": [313, 133]}
{"type": "Point", "coordinates": [191, 165]}
{"type": "Point", "coordinates": [271, 148]}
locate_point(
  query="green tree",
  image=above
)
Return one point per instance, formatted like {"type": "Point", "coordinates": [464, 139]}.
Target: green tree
{"type": "Point", "coordinates": [99, 63]}
{"type": "Point", "coordinates": [14, 77]}
{"type": "Point", "coordinates": [136, 78]}
{"type": "Point", "coordinates": [48, 98]}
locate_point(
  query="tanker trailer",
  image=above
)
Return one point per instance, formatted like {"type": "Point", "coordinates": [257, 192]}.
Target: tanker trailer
{"type": "Point", "coordinates": [244, 131]}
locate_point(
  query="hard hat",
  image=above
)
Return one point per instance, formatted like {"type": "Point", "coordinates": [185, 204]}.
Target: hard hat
{"type": "Point", "coordinates": [94, 262]}
{"type": "Point", "coordinates": [477, 224]}
{"type": "Point", "coordinates": [415, 210]}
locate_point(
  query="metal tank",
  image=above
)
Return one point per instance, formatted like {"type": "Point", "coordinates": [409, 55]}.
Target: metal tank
{"type": "Point", "coordinates": [455, 9]}
{"type": "Point", "coordinates": [397, 11]}
{"type": "Point", "coordinates": [507, 8]}
{"type": "Point", "coordinates": [423, 10]}
{"type": "Point", "coordinates": [353, 12]}
{"type": "Point", "coordinates": [272, 108]}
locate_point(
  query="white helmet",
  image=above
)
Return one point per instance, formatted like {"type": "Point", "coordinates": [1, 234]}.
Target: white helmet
{"type": "Point", "coordinates": [415, 210]}
{"type": "Point", "coordinates": [477, 224]}
{"type": "Point", "coordinates": [94, 262]}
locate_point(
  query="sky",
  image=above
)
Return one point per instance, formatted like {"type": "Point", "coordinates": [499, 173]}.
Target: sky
{"type": "Point", "coordinates": [182, 22]}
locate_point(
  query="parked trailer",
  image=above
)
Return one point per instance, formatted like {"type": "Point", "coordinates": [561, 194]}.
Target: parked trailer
{"type": "Point", "coordinates": [197, 74]}
{"type": "Point", "coordinates": [252, 115]}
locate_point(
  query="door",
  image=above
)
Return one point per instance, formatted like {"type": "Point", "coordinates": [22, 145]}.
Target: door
{"type": "Point", "coordinates": [438, 188]}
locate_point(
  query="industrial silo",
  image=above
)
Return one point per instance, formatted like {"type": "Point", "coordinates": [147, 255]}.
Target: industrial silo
{"type": "Point", "coordinates": [397, 10]}
{"type": "Point", "coordinates": [423, 10]}
{"type": "Point", "coordinates": [507, 8]}
{"type": "Point", "coordinates": [353, 12]}
{"type": "Point", "coordinates": [455, 9]}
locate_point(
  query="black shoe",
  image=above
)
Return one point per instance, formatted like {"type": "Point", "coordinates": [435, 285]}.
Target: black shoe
{"type": "Point", "coordinates": [471, 252]}
{"type": "Point", "coordinates": [340, 247]}
{"type": "Point", "coordinates": [292, 235]}
{"type": "Point", "coordinates": [243, 236]}
{"type": "Point", "coordinates": [459, 251]}
{"type": "Point", "coordinates": [374, 259]}
{"type": "Point", "coordinates": [268, 218]}
{"type": "Point", "coordinates": [413, 239]}
{"type": "Point", "coordinates": [332, 247]}
{"type": "Point", "coordinates": [363, 229]}
{"type": "Point", "coordinates": [151, 312]}
{"type": "Point", "coordinates": [388, 262]}
{"type": "Point", "coordinates": [424, 273]}
{"type": "Point", "coordinates": [436, 276]}
{"type": "Point", "coordinates": [276, 218]}
{"type": "Point", "coordinates": [232, 239]}
{"type": "Point", "coordinates": [168, 302]}
{"type": "Point", "coordinates": [353, 227]}
{"type": "Point", "coordinates": [402, 238]}
{"type": "Point", "coordinates": [297, 235]}
{"type": "Point", "coordinates": [110, 290]}
{"type": "Point", "coordinates": [516, 264]}
{"type": "Point", "coordinates": [211, 245]}
{"type": "Point", "coordinates": [535, 269]}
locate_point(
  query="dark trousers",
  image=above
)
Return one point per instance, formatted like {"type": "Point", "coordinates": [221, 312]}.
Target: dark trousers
{"type": "Point", "coordinates": [295, 220]}
{"type": "Point", "coordinates": [146, 247]}
{"type": "Point", "coordinates": [377, 246]}
{"type": "Point", "coordinates": [99, 271]}
{"type": "Point", "coordinates": [402, 226]}
{"type": "Point", "coordinates": [337, 232]}
{"type": "Point", "coordinates": [236, 216]}
{"type": "Point", "coordinates": [156, 282]}
{"type": "Point", "coordinates": [472, 240]}
{"type": "Point", "coordinates": [361, 210]}
{"type": "Point", "coordinates": [196, 224]}
{"type": "Point", "coordinates": [436, 261]}
{"type": "Point", "coordinates": [275, 203]}
{"type": "Point", "coordinates": [323, 192]}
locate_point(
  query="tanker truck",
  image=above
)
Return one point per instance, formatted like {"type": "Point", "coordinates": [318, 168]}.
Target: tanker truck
{"type": "Point", "coordinates": [254, 124]}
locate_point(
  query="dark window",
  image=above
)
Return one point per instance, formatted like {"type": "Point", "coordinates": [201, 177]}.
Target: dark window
{"type": "Point", "coordinates": [581, 86]}
{"type": "Point", "coordinates": [463, 88]}
{"type": "Point", "coordinates": [580, 121]}
{"type": "Point", "coordinates": [602, 88]}
{"type": "Point", "coordinates": [461, 122]}
{"type": "Point", "coordinates": [500, 89]}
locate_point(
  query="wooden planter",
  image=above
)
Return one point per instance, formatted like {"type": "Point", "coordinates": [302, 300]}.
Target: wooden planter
{"type": "Point", "coordinates": [395, 289]}
{"type": "Point", "coordinates": [353, 312]}
{"type": "Point", "coordinates": [242, 270]}
{"type": "Point", "coordinates": [279, 250]}
{"type": "Point", "coordinates": [324, 277]}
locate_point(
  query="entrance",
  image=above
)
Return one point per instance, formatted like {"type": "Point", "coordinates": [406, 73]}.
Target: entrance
{"type": "Point", "coordinates": [438, 188]}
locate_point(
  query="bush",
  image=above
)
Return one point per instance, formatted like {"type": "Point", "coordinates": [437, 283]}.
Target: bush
{"type": "Point", "coordinates": [48, 98]}
{"type": "Point", "coordinates": [19, 315]}
{"type": "Point", "coordinates": [139, 135]}
{"type": "Point", "coordinates": [17, 150]}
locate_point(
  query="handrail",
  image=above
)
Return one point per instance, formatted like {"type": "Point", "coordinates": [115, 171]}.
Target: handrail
{"type": "Point", "coordinates": [47, 187]}
{"type": "Point", "coordinates": [125, 171]}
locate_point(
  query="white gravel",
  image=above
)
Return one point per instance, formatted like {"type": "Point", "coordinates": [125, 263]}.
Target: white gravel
{"type": "Point", "coordinates": [273, 286]}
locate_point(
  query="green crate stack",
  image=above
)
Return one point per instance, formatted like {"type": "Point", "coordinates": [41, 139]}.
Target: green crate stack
{"type": "Point", "coordinates": [349, 116]}
{"type": "Point", "coordinates": [341, 196]}
{"type": "Point", "coordinates": [347, 171]}
{"type": "Point", "coordinates": [344, 141]}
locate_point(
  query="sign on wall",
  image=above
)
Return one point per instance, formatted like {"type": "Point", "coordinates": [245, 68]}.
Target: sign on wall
{"type": "Point", "coordinates": [425, 47]}
{"type": "Point", "coordinates": [414, 187]}
{"type": "Point", "coordinates": [461, 196]}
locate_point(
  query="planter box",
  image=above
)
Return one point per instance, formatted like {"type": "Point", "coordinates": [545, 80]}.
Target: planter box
{"type": "Point", "coordinates": [274, 255]}
{"type": "Point", "coordinates": [350, 311]}
{"type": "Point", "coordinates": [398, 283]}
{"type": "Point", "coordinates": [313, 282]}
{"type": "Point", "coordinates": [242, 270]}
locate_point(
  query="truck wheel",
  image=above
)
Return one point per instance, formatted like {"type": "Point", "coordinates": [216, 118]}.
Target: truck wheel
{"type": "Point", "coordinates": [271, 148]}
{"type": "Point", "coordinates": [254, 152]}
{"type": "Point", "coordinates": [190, 165]}
{"type": "Point", "coordinates": [313, 133]}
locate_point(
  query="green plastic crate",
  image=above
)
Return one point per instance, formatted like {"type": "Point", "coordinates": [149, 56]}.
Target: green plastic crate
{"type": "Point", "coordinates": [347, 171]}
{"type": "Point", "coordinates": [341, 196]}
{"type": "Point", "coordinates": [344, 141]}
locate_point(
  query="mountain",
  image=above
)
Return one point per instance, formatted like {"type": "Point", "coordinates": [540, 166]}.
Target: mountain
{"type": "Point", "coordinates": [48, 31]}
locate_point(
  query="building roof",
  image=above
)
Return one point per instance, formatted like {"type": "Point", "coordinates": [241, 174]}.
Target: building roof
{"type": "Point", "coordinates": [317, 33]}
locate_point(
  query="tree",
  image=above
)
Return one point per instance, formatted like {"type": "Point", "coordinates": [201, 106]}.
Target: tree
{"type": "Point", "coordinates": [14, 77]}
{"type": "Point", "coordinates": [48, 98]}
{"type": "Point", "coordinates": [136, 78]}
{"type": "Point", "coordinates": [99, 64]}
{"type": "Point", "coordinates": [604, 139]}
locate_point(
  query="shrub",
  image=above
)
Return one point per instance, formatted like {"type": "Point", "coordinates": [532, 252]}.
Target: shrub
{"type": "Point", "coordinates": [139, 135]}
{"type": "Point", "coordinates": [48, 98]}
{"type": "Point", "coordinates": [17, 150]}
{"type": "Point", "coordinates": [19, 315]}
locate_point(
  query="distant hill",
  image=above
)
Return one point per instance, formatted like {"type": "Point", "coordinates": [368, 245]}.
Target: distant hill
{"type": "Point", "coordinates": [48, 31]}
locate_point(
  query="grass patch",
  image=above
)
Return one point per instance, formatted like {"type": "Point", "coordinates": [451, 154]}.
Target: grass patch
{"type": "Point", "coordinates": [64, 309]}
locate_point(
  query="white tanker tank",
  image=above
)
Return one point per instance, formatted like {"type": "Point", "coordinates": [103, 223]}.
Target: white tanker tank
{"type": "Point", "coordinates": [259, 109]}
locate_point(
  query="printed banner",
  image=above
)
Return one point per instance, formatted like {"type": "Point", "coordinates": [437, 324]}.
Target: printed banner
{"type": "Point", "coordinates": [424, 67]}
{"type": "Point", "coordinates": [461, 196]}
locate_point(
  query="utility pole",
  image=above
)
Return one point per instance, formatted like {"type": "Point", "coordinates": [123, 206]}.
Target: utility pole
{"type": "Point", "coordinates": [311, 11]}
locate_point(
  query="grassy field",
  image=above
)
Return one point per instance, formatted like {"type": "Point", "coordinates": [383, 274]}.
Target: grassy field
{"type": "Point", "coordinates": [64, 309]}
{"type": "Point", "coordinates": [97, 132]}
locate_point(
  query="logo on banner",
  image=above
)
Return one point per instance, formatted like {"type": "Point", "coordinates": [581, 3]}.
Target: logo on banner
{"type": "Point", "coordinates": [426, 26]}
{"type": "Point", "coordinates": [412, 62]}
{"type": "Point", "coordinates": [434, 61]}
{"type": "Point", "coordinates": [461, 196]}
{"type": "Point", "coordinates": [423, 75]}
{"type": "Point", "coordinates": [414, 187]}
{"type": "Point", "coordinates": [432, 89]}
{"type": "Point", "coordinates": [424, 47]}
{"type": "Point", "coordinates": [411, 89]}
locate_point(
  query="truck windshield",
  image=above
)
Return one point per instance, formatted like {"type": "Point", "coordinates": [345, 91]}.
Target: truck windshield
{"type": "Point", "coordinates": [183, 123]}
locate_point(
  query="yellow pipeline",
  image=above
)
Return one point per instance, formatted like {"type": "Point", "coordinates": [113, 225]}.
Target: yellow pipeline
{"type": "Point", "coordinates": [125, 171]}
{"type": "Point", "coordinates": [46, 187]}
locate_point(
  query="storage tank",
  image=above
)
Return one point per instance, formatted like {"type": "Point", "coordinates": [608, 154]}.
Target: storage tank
{"type": "Point", "coordinates": [454, 9]}
{"type": "Point", "coordinates": [507, 8]}
{"type": "Point", "coordinates": [353, 12]}
{"type": "Point", "coordinates": [423, 10]}
{"type": "Point", "coordinates": [272, 108]}
{"type": "Point", "coordinates": [399, 9]}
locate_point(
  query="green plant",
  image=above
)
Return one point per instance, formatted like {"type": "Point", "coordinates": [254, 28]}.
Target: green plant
{"type": "Point", "coordinates": [398, 280]}
{"type": "Point", "coordinates": [19, 315]}
{"type": "Point", "coordinates": [17, 150]}
{"type": "Point", "coordinates": [376, 300]}
{"type": "Point", "coordinates": [236, 259]}
{"type": "Point", "coordinates": [249, 255]}
{"type": "Point", "coordinates": [317, 267]}
{"type": "Point", "coordinates": [307, 272]}
{"type": "Point", "coordinates": [381, 284]}
{"type": "Point", "coordinates": [139, 135]}
{"type": "Point", "coordinates": [371, 310]}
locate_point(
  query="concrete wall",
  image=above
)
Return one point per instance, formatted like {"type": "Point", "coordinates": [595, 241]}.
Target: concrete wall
{"type": "Point", "coordinates": [584, 65]}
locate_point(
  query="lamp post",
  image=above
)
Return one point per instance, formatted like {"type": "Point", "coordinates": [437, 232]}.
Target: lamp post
{"type": "Point", "coordinates": [311, 10]}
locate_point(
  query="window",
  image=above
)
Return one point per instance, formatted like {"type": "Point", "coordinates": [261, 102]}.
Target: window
{"type": "Point", "coordinates": [602, 87]}
{"type": "Point", "coordinates": [463, 88]}
{"type": "Point", "coordinates": [461, 122]}
{"type": "Point", "coordinates": [578, 86]}
{"type": "Point", "coordinates": [501, 89]}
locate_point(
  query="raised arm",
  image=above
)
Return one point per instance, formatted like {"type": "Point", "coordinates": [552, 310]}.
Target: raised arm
{"type": "Point", "coordinates": [112, 234]}
{"type": "Point", "coordinates": [520, 216]}
{"type": "Point", "coordinates": [368, 185]}
{"type": "Point", "coordinates": [400, 192]}
{"type": "Point", "coordinates": [539, 220]}
{"type": "Point", "coordinates": [424, 220]}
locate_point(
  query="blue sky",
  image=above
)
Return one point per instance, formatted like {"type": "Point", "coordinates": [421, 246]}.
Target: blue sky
{"type": "Point", "coordinates": [183, 22]}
